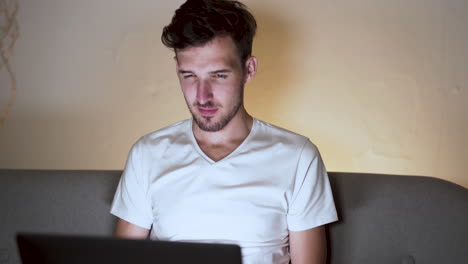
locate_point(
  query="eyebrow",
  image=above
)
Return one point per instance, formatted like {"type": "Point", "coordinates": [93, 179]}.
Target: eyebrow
{"type": "Point", "coordinates": [221, 71]}
{"type": "Point", "coordinates": [212, 72]}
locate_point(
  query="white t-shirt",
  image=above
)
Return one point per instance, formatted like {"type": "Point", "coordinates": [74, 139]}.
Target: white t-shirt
{"type": "Point", "coordinates": [275, 181]}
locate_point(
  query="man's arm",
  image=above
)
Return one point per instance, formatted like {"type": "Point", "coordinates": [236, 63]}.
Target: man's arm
{"type": "Point", "coordinates": [308, 246]}
{"type": "Point", "coordinates": [125, 229]}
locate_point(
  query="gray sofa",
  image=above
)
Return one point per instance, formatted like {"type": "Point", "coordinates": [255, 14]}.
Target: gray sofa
{"type": "Point", "coordinates": [383, 218]}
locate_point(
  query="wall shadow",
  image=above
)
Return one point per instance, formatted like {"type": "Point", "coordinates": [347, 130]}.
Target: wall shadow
{"type": "Point", "coordinates": [9, 33]}
{"type": "Point", "coordinates": [275, 71]}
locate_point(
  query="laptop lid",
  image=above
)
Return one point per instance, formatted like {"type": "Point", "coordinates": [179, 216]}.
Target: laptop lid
{"type": "Point", "coordinates": [71, 249]}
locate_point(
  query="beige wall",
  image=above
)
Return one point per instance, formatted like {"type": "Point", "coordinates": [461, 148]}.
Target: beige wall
{"type": "Point", "coordinates": [379, 86]}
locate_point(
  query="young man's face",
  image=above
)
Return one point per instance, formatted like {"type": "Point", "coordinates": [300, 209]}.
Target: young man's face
{"type": "Point", "coordinates": [212, 80]}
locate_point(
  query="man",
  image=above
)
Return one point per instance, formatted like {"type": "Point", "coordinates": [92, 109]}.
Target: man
{"type": "Point", "coordinates": [223, 176]}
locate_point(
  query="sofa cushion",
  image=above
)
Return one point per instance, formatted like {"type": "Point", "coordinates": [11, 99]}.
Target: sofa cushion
{"type": "Point", "coordinates": [383, 218]}
{"type": "Point", "coordinates": [398, 219]}
{"type": "Point", "coordinates": [74, 202]}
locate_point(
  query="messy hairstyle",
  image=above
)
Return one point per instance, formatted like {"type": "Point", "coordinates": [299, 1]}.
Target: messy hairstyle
{"type": "Point", "coordinates": [197, 22]}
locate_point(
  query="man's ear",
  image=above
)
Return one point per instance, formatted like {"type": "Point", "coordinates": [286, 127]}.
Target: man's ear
{"type": "Point", "coordinates": [251, 68]}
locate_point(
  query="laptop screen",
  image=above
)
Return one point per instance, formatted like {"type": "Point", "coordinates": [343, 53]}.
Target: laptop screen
{"type": "Point", "coordinates": [71, 249]}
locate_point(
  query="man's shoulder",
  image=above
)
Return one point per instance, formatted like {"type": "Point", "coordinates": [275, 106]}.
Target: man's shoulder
{"type": "Point", "coordinates": [166, 134]}
{"type": "Point", "coordinates": [291, 142]}
{"type": "Point", "coordinates": [279, 134]}
{"type": "Point", "coordinates": [278, 129]}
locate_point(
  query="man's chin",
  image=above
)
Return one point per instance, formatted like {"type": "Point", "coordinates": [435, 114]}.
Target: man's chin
{"type": "Point", "coordinates": [208, 124]}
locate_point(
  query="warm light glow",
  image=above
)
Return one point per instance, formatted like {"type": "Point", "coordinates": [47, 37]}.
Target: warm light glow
{"type": "Point", "coordinates": [378, 86]}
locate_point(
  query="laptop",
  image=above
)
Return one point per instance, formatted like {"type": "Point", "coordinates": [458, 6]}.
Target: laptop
{"type": "Point", "coordinates": [71, 249]}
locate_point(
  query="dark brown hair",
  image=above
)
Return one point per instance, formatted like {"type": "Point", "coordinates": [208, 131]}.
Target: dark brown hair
{"type": "Point", "coordinates": [197, 22]}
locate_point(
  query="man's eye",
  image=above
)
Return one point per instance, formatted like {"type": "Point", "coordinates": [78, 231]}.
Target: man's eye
{"type": "Point", "coordinates": [187, 76]}
{"type": "Point", "coordinates": [220, 76]}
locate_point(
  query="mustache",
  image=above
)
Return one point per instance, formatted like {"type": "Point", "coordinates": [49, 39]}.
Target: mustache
{"type": "Point", "coordinates": [209, 104]}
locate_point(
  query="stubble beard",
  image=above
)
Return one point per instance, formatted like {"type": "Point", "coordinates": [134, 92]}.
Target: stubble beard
{"type": "Point", "coordinates": [205, 123]}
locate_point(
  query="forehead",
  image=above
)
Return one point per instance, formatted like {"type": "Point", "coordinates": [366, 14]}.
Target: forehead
{"type": "Point", "coordinates": [219, 52]}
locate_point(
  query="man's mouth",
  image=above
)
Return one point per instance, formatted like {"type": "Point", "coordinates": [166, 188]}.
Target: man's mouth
{"type": "Point", "coordinates": [207, 111]}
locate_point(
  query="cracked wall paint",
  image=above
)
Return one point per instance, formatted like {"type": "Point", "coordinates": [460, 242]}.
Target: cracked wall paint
{"type": "Point", "coordinates": [8, 35]}
{"type": "Point", "coordinates": [378, 86]}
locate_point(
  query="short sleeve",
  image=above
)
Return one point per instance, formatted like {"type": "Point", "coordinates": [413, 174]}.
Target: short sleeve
{"type": "Point", "coordinates": [312, 202]}
{"type": "Point", "coordinates": [131, 200]}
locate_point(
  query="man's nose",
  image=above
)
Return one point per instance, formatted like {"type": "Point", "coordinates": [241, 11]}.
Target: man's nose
{"type": "Point", "coordinates": [204, 92]}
